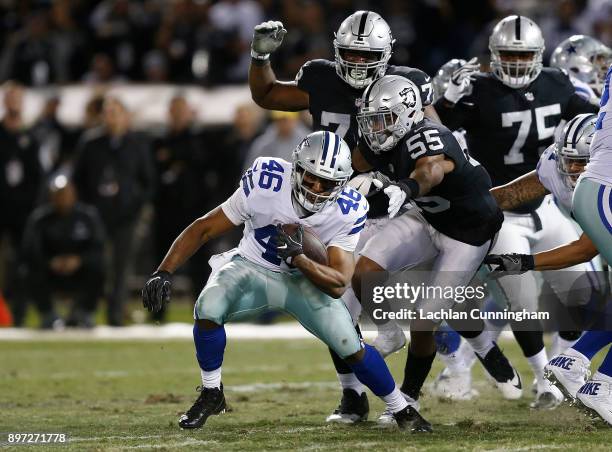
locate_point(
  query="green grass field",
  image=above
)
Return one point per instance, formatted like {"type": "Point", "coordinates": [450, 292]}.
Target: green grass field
{"type": "Point", "coordinates": [128, 395]}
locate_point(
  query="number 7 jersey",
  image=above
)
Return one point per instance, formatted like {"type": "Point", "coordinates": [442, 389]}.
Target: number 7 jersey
{"type": "Point", "coordinates": [264, 200]}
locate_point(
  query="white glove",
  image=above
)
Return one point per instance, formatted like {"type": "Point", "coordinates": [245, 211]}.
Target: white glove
{"type": "Point", "coordinates": [397, 197]}
{"type": "Point", "coordinates": [461, 81]}
{"type": "Point", "coordinates": [267, 37]}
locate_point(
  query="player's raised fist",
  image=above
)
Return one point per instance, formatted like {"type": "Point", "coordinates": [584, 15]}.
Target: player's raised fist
{"type": "Point", "coordinates": [267, 37]}
{"type": "Point", "coordinates": [156, 291]}
{"type": "Point", "coordinates": [461, 81]}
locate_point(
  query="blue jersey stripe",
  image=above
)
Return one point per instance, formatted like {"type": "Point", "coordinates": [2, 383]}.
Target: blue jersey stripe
{"type": "Point", "coordinates": [600, 206]}
{"type": "Point", "coordinates": [356, 229]}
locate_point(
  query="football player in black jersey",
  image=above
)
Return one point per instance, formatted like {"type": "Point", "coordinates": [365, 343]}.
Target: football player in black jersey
{"type": "Point", "coordinates": [510, 116]}
{"type": "Point", "coordinates": [453, 227]}
{"type": "Point", "coordinates": [331, 91]}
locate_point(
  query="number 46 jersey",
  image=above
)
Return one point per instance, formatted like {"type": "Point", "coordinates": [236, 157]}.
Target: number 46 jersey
{"type": "Point", "coordinates": [461, 206]}
{"type": "Point", "coordinates": [264, 200]}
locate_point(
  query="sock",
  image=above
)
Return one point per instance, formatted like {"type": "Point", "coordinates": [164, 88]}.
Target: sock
{"type": "Point", "coordinates": [481, 343]}
{"type": "Point", "coordinates": [560, 344]}
{"type": "Point", "coordinates": [395, 401]}
{"type": "Point", "coordinates": [350, 381]}
{"type": "Point", "coordinates": [373, 372]}
{"type": "Point", "coordinates": [210, 346]}
{"type": "Point", "coordinates": [531, 341]}
{"type": "Point", "coordinates": [447, 340]}
{"type": "Point", "coordinates": [211, 379]}
{"type": "Point", "coordinates": [606, 365]}
{"type": "Point", "coordinates": [591, 342]}
{"type": "Point", "coordinates": [339, 364]}
{"type": "Point", "coordinates": [415, 372]}
{"type": "Point", "coordinates": [537, 363]}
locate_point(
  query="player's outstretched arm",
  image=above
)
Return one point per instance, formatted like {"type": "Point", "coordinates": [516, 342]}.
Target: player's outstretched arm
{"type": "Point", "coordinates": [156, 291]}
{"type": "Point", "coordinates": [333, 279]}
{"type": "Point", "coordinates": [520, 191]}
{"type": "Point", "coordinates": [212, 225]}
{"type": "Point", "coordinates": [574, 253]}
{"type": "Point", "coordinates": [429, 172]}
{"type": "Point", "coordinates": [266, 90]}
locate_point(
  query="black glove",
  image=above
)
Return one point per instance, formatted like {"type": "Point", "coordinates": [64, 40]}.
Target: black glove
{"type": "Point", "coordinates": [288, 246]}
{"type": "Point", "coordinates": [514, 263]}
{"type": "Point", "coordinates": [156, 291]}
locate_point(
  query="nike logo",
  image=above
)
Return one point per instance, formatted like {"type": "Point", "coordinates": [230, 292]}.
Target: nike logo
{"type": "Point", "coordinates": [516, 381]}
{"type": "Point", "coordinates": [282, 247]}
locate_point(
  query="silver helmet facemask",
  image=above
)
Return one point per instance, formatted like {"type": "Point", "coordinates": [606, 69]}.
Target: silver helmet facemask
{"type": "Point", "coordinates": [572, 147]}
{"type": "Point", "coordinates": [389, 108]}
{"type": "Point", "coordinates": [512, 36]}
{"type": "Point", "coordinates": [327, 157]}
{"type": "Point", "coordinates": [585, 58]}
{"type": "Point", "coordinates": [364, 34]}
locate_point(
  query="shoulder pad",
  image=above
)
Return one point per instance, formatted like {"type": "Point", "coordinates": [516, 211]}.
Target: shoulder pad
{"type": "Point", "coordinates": [266, 176]}
{"type": "Point", "coordinates": [352, 205]}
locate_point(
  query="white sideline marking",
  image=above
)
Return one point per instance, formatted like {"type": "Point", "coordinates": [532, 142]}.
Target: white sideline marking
{"type": "Point", "coordinates": [289, 330]}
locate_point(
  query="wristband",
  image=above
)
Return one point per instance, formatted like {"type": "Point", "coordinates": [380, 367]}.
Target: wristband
{"type": "Point", "coordinates": [528, 262]}
{"type": "Point", "coordinates": [409, 186]}
{"type": "Point", "coordinates": [259, 56]}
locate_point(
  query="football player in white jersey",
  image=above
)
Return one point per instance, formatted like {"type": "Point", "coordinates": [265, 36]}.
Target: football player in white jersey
{"type": "Point", "coordinates": [269, 270]}
{"type": "Point", "coordinates": [592, 208]}
{"type": "Point", "coordinates": [586, 60]}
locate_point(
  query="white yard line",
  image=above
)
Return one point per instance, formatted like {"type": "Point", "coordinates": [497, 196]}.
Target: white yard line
{"type": "Point", "coordinates": [289, 330]}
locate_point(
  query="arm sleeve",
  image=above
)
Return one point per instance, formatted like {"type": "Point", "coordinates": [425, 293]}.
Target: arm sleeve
{"type": "Point", "coordinates": [348, 236]}
{"type": "Point", "coordinates": [577, 105]}
{"type": "Point", "coordinates": [305, 78]}
{"type": "Point", "coordinates": [236, 207]}
{"type": "Point", "coordinates": [456, 116]}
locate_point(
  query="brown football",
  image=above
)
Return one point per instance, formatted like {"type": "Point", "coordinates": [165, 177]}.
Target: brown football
{"type": "Point", "coordinates": [312, 245]}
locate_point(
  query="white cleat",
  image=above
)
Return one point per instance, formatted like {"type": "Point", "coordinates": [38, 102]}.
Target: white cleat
{"type": "Point", "coordinates": [568, 373]}
{"type": "Point", "coordinates": [596, 396]}
{"type": "Point", "coordinates": [390, 339]}
{"type": "Point", "coordinates": [386, 419]}
{"type": "Point", "coordinates": [454, 385]}
{"type": "Point", "coordinates": [548, 397]}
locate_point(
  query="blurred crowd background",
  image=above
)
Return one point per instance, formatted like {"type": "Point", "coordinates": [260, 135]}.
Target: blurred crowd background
{"type": "Point", "coordinates": [89, 209]}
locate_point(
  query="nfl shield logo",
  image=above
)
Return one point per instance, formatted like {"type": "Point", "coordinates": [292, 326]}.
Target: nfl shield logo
{"type": "Point", "coordinates": [529, 96]}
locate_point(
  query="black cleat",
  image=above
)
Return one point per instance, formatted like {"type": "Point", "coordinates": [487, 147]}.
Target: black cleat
{"type": "Point", "coordinates": [353, 408]}
{"type": "Point", "coordinates": [410, 419]}
{"type": "Point", "coordinates": [507, 379]}
{"type": "Point", "coordinates": [211, 401]}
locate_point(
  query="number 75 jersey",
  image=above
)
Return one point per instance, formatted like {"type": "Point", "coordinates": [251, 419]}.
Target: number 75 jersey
{"type": "Point", "coordinates": [506, 128]}
{"type": "Point", "coordinates": [264, 200]}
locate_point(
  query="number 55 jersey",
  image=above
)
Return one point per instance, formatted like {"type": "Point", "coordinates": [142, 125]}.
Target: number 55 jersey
{"type": "Point", "coordinates": [461, 206]}
{"type": "Point", "coordinates": [265, 200]}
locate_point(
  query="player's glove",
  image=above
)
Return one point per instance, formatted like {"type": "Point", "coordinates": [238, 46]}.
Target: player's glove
{"type": "Point", "coordinates": [398, 193]}
{"type": "Point", "coordinates": [267, 37]}
{"type": "Point", "coordinates": [513, 263]}
{"type": "Point", "coordinates": [156, 291]}
{"type": "Point", "coordinates": [289, 245]}
{"type": "Point", "coordinates": [461, 81]}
